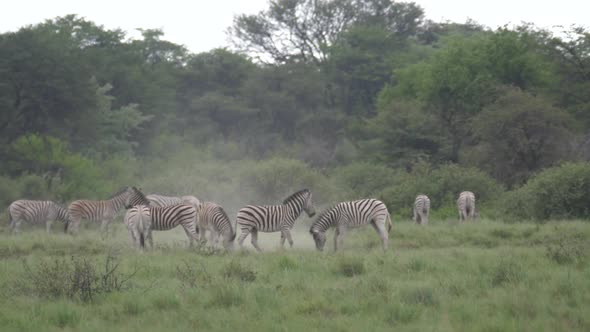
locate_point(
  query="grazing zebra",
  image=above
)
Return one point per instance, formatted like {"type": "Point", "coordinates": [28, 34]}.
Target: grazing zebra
{"type": "Point", "coordinates": [213, 218]}
{"type": "Point", "coordinates": [161, 200]}
{"type": "Point", "coordinates": [142, 220]}
{"type": "Point", "coordinates": [138, 222]}
{"type": "Point", "coordinates": [466, 206]}
{"type": "Point", "coordinates": [104, 211]}
{"type": "Point", "coordinates": [274, 218]}
{"type": "Point", "coordinates": [35, 212]}
{"type": "Point", "coordinates": [353, 214]}
{"type": "Point", "coordinates": [421, 209]}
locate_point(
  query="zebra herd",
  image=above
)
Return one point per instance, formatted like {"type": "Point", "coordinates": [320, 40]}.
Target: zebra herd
{"type": "Point", "coordinates": [157, 212]}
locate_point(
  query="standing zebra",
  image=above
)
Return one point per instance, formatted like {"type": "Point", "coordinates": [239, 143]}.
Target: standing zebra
{"type": "Point", "coordinates": [421, 209]}
{"type": "Point", "coordinates": [353, 214]}
{"type": "Point", "coordinates": [466, 206]}
{"type": "Point", "coordinates": [213, 218]}
{"type": "Point", "coordinates": [274, 218]}
{"type": "Point", "coordinates": [138, 222]}
{"type": "Point", "coordinates": [161, 200]}
{"type": "Point", "coordinates": [141, 220]}
{"type": "Point", "coordinates": [35, 212]}
{"type": "Point", "coordinates": [104, 211]}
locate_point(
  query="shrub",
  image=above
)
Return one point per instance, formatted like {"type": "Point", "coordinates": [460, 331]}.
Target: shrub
{"type": "Point", "coordinates": [77, 278]}
{"type": "Point", "coordinates": [556, 193]}
{"type": "Point", "coordinates": [364, 179]}
{"type": "Point", "coordinates": [507, 272]}
{"type": "Point", "coordinates": [566, 251]}
{"type": "Point", "coordinates": [423, 296]}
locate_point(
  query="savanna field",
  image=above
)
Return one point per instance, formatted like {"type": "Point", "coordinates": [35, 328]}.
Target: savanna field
{"type": "Point", "coordinates": [485, 276]}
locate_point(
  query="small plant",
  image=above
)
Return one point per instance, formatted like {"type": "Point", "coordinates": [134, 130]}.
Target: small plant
{"type": "Point", "coordinates": [287, 263]}
{"type": "Point", "coordinates": [424, 296]}
{"type": "Point", "coordinates": [565, 251]}
{"type": "Point", "coordinates": [190, 277]}
{"type": "Point", "coordinates": [235, 270]}
{"type": "Point", "coordinates": [501, 233]}
{"type": "Point", "coordinates": [416, 265]}
{"type": "Point", "coordinates": [226, 296]}
{"type": "Point", "coordinates": [507, 272]}
{"type": "Point", "coordinates": [351, 267]}
{"type": "Point", "coordinates": [74, 278]}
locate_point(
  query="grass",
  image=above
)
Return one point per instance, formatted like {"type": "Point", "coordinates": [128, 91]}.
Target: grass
{"type": "Point", "coordinates": [487, 276]}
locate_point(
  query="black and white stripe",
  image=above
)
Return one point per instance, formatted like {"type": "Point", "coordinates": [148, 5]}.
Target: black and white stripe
{"type": "Point", "coordinates": [35, 212]}
{"type": "Point", "coordinates": [213, 218]}
{"type": "Point", "coordinates": [138, 222]}
{"type": "Point", "coordinates": [421, 209]}
{"type": "Point", "coordinates": [163, 219]}
{"type": "Point", "coordinates": [252, 219]}
{"type": "Point", "coordinates": [162, 200]}
{"type": "Point", "coordinates": [104, 211]}
{"type": "Point", "coordinates": [346, 215]}
{"type": "Point", "coordinates": [466, 206]}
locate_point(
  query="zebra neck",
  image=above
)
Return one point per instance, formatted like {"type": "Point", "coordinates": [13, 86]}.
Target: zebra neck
{"type": "Point", "coordinates": [293, 210]}
{"type": "Point", "coordinates": [117, 202]}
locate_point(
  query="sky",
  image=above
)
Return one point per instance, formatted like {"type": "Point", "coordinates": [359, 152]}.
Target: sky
{"type": "Point", "coordinates": [201, 25]}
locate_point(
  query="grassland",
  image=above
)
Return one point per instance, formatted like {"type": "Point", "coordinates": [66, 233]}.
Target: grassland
{"type": "Point", "coordinates": [487, 276]}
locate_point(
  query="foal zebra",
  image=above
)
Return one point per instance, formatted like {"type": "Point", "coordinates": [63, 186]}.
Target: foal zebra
{"type": "Point", "coordinates": [421, 209]}
{"type": "Point", "coordinates": [141, 220]}
{"type": "Point", "coordinates": [161, 200]}
{"type": "Point", "coordinates": [35, 212]}
{"type": "Point", "coordinates": [213, 218]}
{"type": "Point", "coordinates": [104, 211]}
{"type": "Point", "coordinates": [352, 214]}
{"type": "Point", "coordinates": [466, 206]}
{"type": "Point", "coordinates": [274, 218]}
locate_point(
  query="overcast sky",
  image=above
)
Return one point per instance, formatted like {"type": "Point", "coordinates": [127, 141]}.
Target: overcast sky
{"type": "Point", "coordinates": [200, 25]}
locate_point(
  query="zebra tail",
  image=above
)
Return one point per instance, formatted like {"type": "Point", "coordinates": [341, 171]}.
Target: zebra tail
{"type": "Point", "coordinates": [67, 223]}
{"type": "Point", "coordinates": [140, 227]}
{"type": "Point", "coordinates": [389, 225]}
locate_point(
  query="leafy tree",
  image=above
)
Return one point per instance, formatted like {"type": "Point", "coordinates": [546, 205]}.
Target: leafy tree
{"type": "Point", "coordinates": [520, 134]}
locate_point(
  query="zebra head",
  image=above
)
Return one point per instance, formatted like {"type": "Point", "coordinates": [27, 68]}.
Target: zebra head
{"type": "Point", "coordinates": [135, 197]}
{"type": "Point", "coordinates": [319, 238]}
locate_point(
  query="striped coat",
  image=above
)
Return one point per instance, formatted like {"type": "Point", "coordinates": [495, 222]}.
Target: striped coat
{"type": "Point", "coordinates": [252, 219]}
{"type": "Point", "coordinates": [346, 215]}
{"type": "Point", "coordinates": [421, 209]}
{"type": "Point", "coordinates": [213, 219]}
{"type": "Point", "coordinates": [466, 206]}
{"type": "Point", "coordinates": [104, 211]}
{"type": "Point", "coordinates": [142, 220]}
{"type": "Point", "coordinates": [35, 212]}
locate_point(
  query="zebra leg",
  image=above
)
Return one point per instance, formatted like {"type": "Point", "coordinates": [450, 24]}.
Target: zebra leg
{"type": "Point", "coordinates": [382, 232]}
{"type": "Point", "coordinates": [339, 237]}
{"type": "Point", "coordinates": [242, 238]}
{"type": "Point", "coordinates": [283, 239]}
{"type": "Point", "coordinates": [213, 236]}
{"type": "Point", "coordinates": [48, 226]}
{"type": "Point", "coordinates": [104, 228]}
{"type": "Point", "coordinates": [192, 235]}
{"type": "Point", "coordinates": [203, 236]}
{"type": "Point", "coordinates": [288, 235]}
{"type": "Point", "coordinates": [254, 239]}
{"type": "Point", "coordinates": [16, 226]}
{"type": "Point", "coordinates": [149, 239]}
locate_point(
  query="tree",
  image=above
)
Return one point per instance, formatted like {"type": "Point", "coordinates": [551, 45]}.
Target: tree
{"type": "Point", "coordinates": [303, 30]}
{"type": "Point", "coordinates": [520, 134]}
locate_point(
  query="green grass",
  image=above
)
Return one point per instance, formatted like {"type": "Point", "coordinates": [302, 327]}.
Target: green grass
{"type": "Point", "coordinates": [487, 276]}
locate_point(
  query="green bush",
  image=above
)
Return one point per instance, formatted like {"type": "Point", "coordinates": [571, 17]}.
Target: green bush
{"type": "Point", "coordinates": [557, 193]}
{"type": "Point", "coordinates": [364, 180]}
{"type": "Point", "coordinates": [443, 186]}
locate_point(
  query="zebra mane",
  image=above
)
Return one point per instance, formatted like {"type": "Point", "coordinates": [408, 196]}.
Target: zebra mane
{"type": "Point", "coordinates": [295, 195]}
{"type": "Point", "coordinates": [139, 193]}
{"type": "Point", "coordinates": [122, 190]}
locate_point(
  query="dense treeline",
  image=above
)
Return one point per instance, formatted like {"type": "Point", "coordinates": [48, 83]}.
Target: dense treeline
{"type": "Point", "coordinates": [352, 98]}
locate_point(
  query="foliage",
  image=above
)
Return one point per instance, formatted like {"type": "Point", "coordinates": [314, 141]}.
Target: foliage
{"type": "Point", "coordinates": [557, 192]}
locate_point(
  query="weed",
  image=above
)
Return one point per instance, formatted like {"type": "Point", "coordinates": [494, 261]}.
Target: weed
{"type": "Point", "coordinates": [424, 296]}
{"type": "Point", "coordinates": [190, 277]}
{"type": "Point", "coordinates": [501, 233]}
{"type": "Point", "coordinates": [235, 270]}
{"type": "Point", "coordinates": [226, 296]}
{"type": "Point", "coordinates": [350, 267]}
{"type": "Point", "coordinates": [507, 272]}
{"type": "Point", "coordinates": [566, 251]}
{"type": "Point", "coordinates": [402, 314]}
{"type": "Point", "coordinates": [287, 263]}
{"type": "Point", "coordinates": [416, 265]}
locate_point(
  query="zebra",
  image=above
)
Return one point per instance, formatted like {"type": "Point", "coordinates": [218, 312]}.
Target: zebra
{"type": "Point", "coordinates": [466, 206]}
{"type": "Point", "coordinates": [274, 218]}
{"type": "Point", "coordinates": [421, 209]}
{"type": "Point", "coordinates": [141, 220]}
{"type": "Point", "coordinates": [213, 218]}
{"type": "Point", "coordinates": [104, 211]}
{"type": "Point", "coordinates": [352, 214]}
{"type": "Point", "coordinates": [161, 200]}
{"type": "Point", "coordinates": [138, 222]}
{"type": "Point", "coordinates": [35, 212]}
